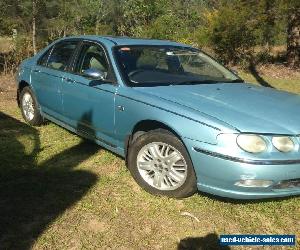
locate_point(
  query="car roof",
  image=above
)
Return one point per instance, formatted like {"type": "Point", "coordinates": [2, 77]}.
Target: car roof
{"type": "Point", "coordinates": [124, 40]}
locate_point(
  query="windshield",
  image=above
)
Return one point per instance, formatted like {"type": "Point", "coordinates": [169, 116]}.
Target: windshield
{"type": "Point", "coordinates": [170, 65]}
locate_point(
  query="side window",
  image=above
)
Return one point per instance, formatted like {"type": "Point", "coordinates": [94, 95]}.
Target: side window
{"type": "Point", "coordinates": [44, 58]}
{"type": "Point", "coordinates": [92, 56]}
{"type": "Point", "coordinates": [61, 55]}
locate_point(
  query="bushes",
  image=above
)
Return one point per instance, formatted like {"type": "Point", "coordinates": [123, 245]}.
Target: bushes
{"type": "Point", "coordinates": [235, 28]}
{"type": "Point", "coordinates": [21, 49]}
{"type": "Point", "coordinates": [229, 34]}
{"type": "Point", "coordinates": [231, 29]}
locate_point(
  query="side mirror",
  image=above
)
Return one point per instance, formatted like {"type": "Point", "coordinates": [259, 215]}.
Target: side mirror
{"type": "Point", "coordinates": [95, 74]}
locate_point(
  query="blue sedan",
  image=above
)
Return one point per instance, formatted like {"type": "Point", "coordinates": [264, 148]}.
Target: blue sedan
{"type": "Point", "coordinates": [182, 121]}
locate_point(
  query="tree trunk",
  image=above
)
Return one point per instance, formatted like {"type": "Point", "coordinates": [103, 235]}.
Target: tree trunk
{"type": "Point", "coordinates": [97, 26]}
{"type": "Point", "coordinates": [293, 38]}
{"type": "Point", "coordinates": [269, 23]}
{"type": "Point", "coordinates": [34, 12]}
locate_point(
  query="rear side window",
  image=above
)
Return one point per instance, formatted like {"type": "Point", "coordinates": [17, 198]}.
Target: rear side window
{"type": "Point", "coordinates": [61, 55]}
{"type": "Point", "coordinates": [44, 58]}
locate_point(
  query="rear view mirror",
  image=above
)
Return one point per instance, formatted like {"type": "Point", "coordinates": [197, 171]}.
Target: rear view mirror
{"type": "Point", "coordinates": [197, 64]}
{"type": "Point", "coordinates": [234, 71]}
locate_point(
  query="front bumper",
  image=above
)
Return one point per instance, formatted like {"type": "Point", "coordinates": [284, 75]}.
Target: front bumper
{"type": "Point", "coordinates": [217, 175]}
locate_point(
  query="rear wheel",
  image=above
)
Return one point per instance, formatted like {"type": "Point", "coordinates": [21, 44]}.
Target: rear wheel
{"type": "Point", "coordinates": [160, 164]}
{"type": "Point", "coordinates": [29, 107]}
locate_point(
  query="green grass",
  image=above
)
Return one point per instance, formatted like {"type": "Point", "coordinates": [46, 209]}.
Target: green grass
{"type": "Point", "coordinates": [290, 85]}
{"type": "Point", "coordinates": [58, 191]}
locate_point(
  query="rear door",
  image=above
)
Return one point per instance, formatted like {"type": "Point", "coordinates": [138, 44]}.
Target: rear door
{"type": "Point", "coordinates": [89, 105]}
{"type": "Point", "coordinates": [47, 77]}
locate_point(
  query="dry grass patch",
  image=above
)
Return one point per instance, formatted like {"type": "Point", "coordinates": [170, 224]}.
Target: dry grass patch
{"type": "Point", "coordinates": [6, 44]}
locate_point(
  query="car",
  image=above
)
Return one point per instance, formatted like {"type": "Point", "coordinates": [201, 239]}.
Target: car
{"type": "Point", "coordinates": [182, 121]}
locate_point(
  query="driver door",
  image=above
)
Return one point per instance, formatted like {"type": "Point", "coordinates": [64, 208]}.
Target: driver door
{"type": "Point", "coordinates": [89, 105]}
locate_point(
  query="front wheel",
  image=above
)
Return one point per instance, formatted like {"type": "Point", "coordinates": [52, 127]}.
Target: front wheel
{"type": "Point", "coordinates": [160, 164]}
{"type": "Point", "coordinates": [29, 107]}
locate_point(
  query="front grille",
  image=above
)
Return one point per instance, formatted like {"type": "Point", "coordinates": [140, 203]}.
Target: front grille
{"type": "Point", "coordinates": [293, 183]}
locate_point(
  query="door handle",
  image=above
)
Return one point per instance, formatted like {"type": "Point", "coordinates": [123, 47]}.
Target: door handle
{"type": "Point", "coordinates": [120, 108]}
{"type": "Point", "coordinates": [36, 71]}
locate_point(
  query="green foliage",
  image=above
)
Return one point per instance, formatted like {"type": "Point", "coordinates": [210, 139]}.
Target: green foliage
{"type": "Point", "coordinates": [236, 28]}
{"type": "Point", "coordinates": [6, 26]}
{"type": "Point", "coordinates": [230, 35]}
{"type": "Point", "coordinates": [22, 48]}
{"type": "Point", "coordinates": [232, 29]}
{"type": "Point", "coordinates": [166, 26]}
{"type": "Point", "coordinates": [137, 14]}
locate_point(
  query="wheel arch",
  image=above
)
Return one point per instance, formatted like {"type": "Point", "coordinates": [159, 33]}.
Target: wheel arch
{"type": "Point", "coordinates": [147, 125]}
{"type": "Point", "coordinates": [144, 126]}
{"type": "Point", "coordinates": [22, 84]}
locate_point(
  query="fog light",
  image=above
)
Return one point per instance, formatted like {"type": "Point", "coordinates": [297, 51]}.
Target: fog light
{"type": "Point", "coordinates": [253, 183]}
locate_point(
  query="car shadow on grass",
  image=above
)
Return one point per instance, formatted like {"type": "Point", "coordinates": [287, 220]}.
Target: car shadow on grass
{"type": "Point", "coordinates": [210, 241]}
{"type": "Point", "coordinates": [32, 195]}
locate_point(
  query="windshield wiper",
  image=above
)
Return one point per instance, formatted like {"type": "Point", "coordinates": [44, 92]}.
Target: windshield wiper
{"type": "Point", "coordinates": [237, 80]}
{"type": "Point", "coordinates": [195, 82]}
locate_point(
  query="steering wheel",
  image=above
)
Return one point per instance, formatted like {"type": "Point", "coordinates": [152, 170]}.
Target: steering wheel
{"type": "Point", "coordinates": [134, 72]}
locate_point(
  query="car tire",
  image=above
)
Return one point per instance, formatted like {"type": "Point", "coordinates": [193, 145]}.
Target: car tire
{"type": "Point", "coordinates": [30, 108]}
{"type": "Point", "coordinates": [161, 165]}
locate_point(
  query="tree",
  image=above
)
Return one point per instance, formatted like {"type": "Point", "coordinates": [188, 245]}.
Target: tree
{"type": "Point", "coordinates": [137, 15]}
{"type": "Point", "coordinates": [232, 28]}
{"type": "Point", "coordinates": [293, 37]}
{"type": "Point", "coordinates": [230, 34]}
{"type": "Point", "coordinates": [34, 14]}
{"type": "Point", "coordinates": [290, 11]}
{"type": "Point", "coordinates": [265, 14]}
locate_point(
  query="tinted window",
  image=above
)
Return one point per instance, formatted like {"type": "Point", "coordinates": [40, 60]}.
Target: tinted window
{"type": "Point", "coordinates": [44, 58]}
{"type": "Point", "coordinates": [92, 56]}
{"type": "Point", "coordinates": [61, 55]}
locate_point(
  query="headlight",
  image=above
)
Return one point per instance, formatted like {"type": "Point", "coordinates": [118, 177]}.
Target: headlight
{"type": "Point", "coordinates": [283, 143]}
{"type": "Point", "coordinates": [251, 143]}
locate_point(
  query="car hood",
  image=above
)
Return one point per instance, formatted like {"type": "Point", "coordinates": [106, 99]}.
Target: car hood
{"type": "Point", "coordinates": [247, 107]}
